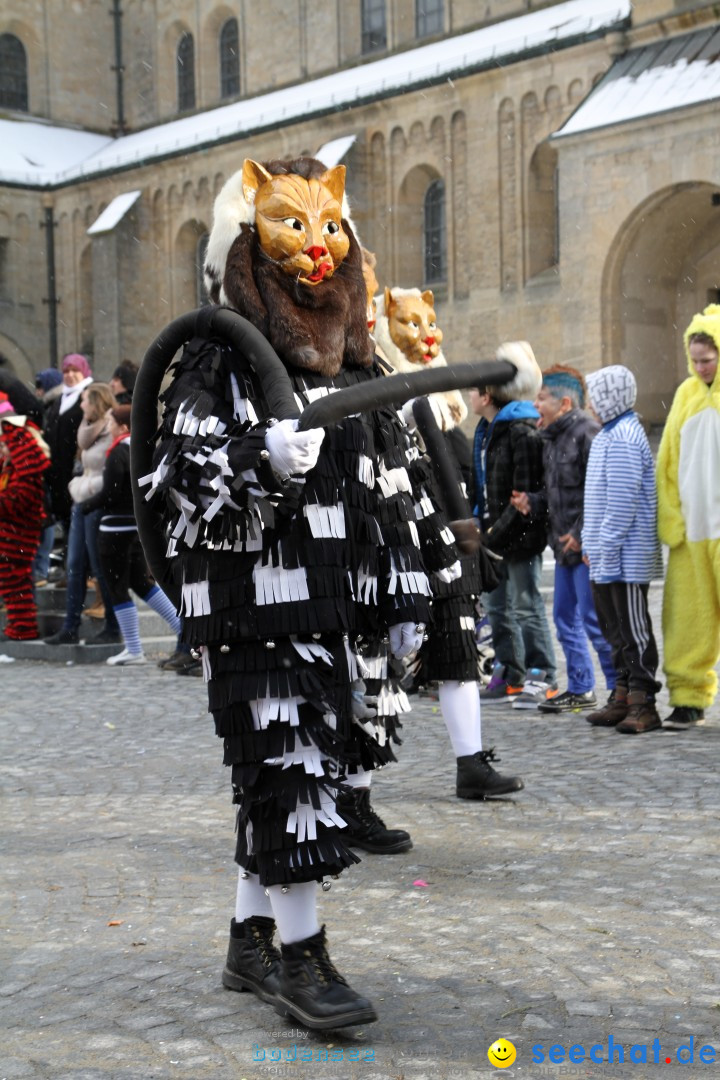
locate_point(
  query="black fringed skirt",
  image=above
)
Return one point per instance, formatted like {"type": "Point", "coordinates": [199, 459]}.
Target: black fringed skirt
{"type": "Point", "coordinates": [283, 708]}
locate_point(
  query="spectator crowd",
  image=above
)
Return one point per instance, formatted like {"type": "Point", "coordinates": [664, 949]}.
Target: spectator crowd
{"type": "Point", "coordinates": [570, 468]}
{"type": "Point", "coordinates": [65, 485]}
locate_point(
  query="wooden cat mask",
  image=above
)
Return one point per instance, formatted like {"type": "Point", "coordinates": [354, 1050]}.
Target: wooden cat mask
{"type": "Point", "coordinates": [413, 325]}
{"type": "Point", "coordinates": [299, 220]}
{"type": "Point", "coordinates": [281, 254]}
{"type": "Point", "coordinates": [408, 336]}
{"type": "Point", "coordinates": [369, 262]}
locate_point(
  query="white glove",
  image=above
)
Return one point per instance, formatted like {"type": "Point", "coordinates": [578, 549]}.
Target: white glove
{"type": "Point", "coordinates": [293, 452]}
{"type": "Point", "coordinates": [405, 638]}
{"type": "Point", "coordinates": [364, 706]}
{"type": "Point", "coordinates": [409, 415]}
{"type": "Point", "coordinates": [449, 573]}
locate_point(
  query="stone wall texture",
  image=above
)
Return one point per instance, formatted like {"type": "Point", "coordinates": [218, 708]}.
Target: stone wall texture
{"type": "Point", "coordinates": [596, 247]}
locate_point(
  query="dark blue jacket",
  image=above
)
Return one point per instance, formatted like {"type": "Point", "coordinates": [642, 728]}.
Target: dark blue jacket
{"type": "Point", "coordinates": [566, 446]}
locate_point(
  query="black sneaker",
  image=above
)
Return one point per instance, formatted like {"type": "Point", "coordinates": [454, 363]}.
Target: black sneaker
{"type": "Point", "coordinates": [683, 717]}
{"type": "Point", "coordinates": [63, 637]}
{"type": "Point", "coordinates": [569, 702]}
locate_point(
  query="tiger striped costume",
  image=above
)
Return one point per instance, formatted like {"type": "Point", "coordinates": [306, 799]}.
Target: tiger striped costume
{"type": "Point", "coordinates": [26, 457]}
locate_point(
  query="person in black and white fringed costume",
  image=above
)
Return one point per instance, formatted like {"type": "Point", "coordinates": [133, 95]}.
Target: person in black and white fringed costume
{"type": "Point", "coordinates": [408, 337]}
{"type": "Point", "coordinates": [293, 550]}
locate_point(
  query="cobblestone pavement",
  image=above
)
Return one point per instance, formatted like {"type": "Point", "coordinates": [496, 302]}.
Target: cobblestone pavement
{"type": "Point", "coordinates": [584, 909]}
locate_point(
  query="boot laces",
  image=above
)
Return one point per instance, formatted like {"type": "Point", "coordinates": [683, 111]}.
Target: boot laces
{"type": "Point", "coordinates": [324, 967]}
{"type": "Point", "coordinates": [262, 940]}
{"type": "Point", "coordinates": [487, 756]}
{"type": "Point", "coordinates": [365, 814]}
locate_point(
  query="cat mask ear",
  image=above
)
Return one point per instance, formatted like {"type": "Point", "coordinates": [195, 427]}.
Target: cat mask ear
{"type": "Point", "coordinates": [388, 301]}
{"type": "Point", "coordinates": [428, 297]}
{"type": "Point", "coordinates": [334, 181]}
{"type": "Point", "coordinates": [254, 175]}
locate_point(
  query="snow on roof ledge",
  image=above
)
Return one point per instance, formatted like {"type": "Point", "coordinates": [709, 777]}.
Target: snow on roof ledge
{"type": "Point", "coordinates": [399, 73]}
{"type": "Point", "coordinates": [669, 74]}
{"type": "Point", "coordinates": [113, 213]}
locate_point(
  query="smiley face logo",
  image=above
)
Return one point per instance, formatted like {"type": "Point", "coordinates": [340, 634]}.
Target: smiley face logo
{"type": "Point", "coordinates": [501, 1054]}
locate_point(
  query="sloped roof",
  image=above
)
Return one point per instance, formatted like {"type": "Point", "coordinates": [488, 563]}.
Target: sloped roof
{"type": "Point", "coordinates": [674, 73]}
{"type": "Point", "coordinates": [114, 212]}
{"type": "Point", "coordinates": [38, 154]}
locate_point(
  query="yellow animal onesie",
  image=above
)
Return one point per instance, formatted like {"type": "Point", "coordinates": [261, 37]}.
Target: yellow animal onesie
{"type": "Point", "coordinates": [689, 523]}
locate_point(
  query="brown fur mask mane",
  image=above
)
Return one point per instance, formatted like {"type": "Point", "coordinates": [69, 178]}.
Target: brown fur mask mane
{"type": "Point", "coordinates": [318, 329]}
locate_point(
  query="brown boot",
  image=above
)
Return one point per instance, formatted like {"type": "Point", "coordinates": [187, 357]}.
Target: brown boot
{"type": "Point", "coordinates": [641, 716]}
{"type": "Point", "coordinates": [613, 711]}
{"type": "Point", "coordinates": [97, 608]}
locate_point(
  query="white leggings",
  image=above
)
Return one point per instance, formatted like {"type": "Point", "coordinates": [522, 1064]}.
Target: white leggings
{"type": "Point", "coordinates": [460, 706]}
{"type": "Point", "coordinates": [294, 911]}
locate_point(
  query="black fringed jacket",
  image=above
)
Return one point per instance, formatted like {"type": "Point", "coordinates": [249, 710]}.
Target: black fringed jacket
{"type": "Point", "coordinates": [336, 550]}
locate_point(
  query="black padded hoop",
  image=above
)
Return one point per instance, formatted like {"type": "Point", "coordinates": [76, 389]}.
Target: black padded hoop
{"type": "Point", "coordinates": [278, 391]}
{"type": "Point", "coordinates": [207, 321]}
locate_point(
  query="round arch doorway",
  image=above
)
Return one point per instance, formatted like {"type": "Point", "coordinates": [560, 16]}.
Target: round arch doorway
{"type": "Point", "coordinates": [663, 266]}
{"type": "Point", "coordinates": [14, 361]}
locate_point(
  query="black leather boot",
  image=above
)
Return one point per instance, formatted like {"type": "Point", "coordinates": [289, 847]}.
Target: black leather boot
{"type": "Point", "coordinates": [313, 992]}
{"type": "Point", "coordinates": [365, 828]}
{"type": "Point", "coordinates": [253, 962]}
{"type": "Point", "coordinates": [476, 778]}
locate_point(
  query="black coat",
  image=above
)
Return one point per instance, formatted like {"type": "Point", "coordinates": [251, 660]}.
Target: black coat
{"type": "Point", "coordinates": [61, 436]}
{"type": "Point", "coordinates": [115, 496]}
{"type": "Point", "coordinates": [513, 463]}
{"type": "Point", "coordinates": [23, 400]}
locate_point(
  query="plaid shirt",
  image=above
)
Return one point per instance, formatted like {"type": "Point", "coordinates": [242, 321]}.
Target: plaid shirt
{"type": "Point", "coordinates": [512, 462]}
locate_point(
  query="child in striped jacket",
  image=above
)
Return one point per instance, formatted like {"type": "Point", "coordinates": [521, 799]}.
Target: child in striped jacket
{"type": "Point", "coordinates": [621, 547]}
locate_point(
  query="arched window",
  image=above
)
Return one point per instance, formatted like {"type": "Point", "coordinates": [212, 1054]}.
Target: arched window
{"type": "Point", "coordinates": [434, 234]}
{"type": "Point", "coordinates": [87, 319]}
{"type": "Point", "coordinates": [13, 73]}
{"type": "Point", "coordinates": [229, 59]}
{"type": "Point", "coordinates": [201, 296]}
{"type": "Point", "coordinates": [374, 27]}
{"type": "Point", "coordinates": [186, 73]}
{"type": "Point", "coordinates": [429, 17]}
{"type": "Point", "coordinates": [542, 234]}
